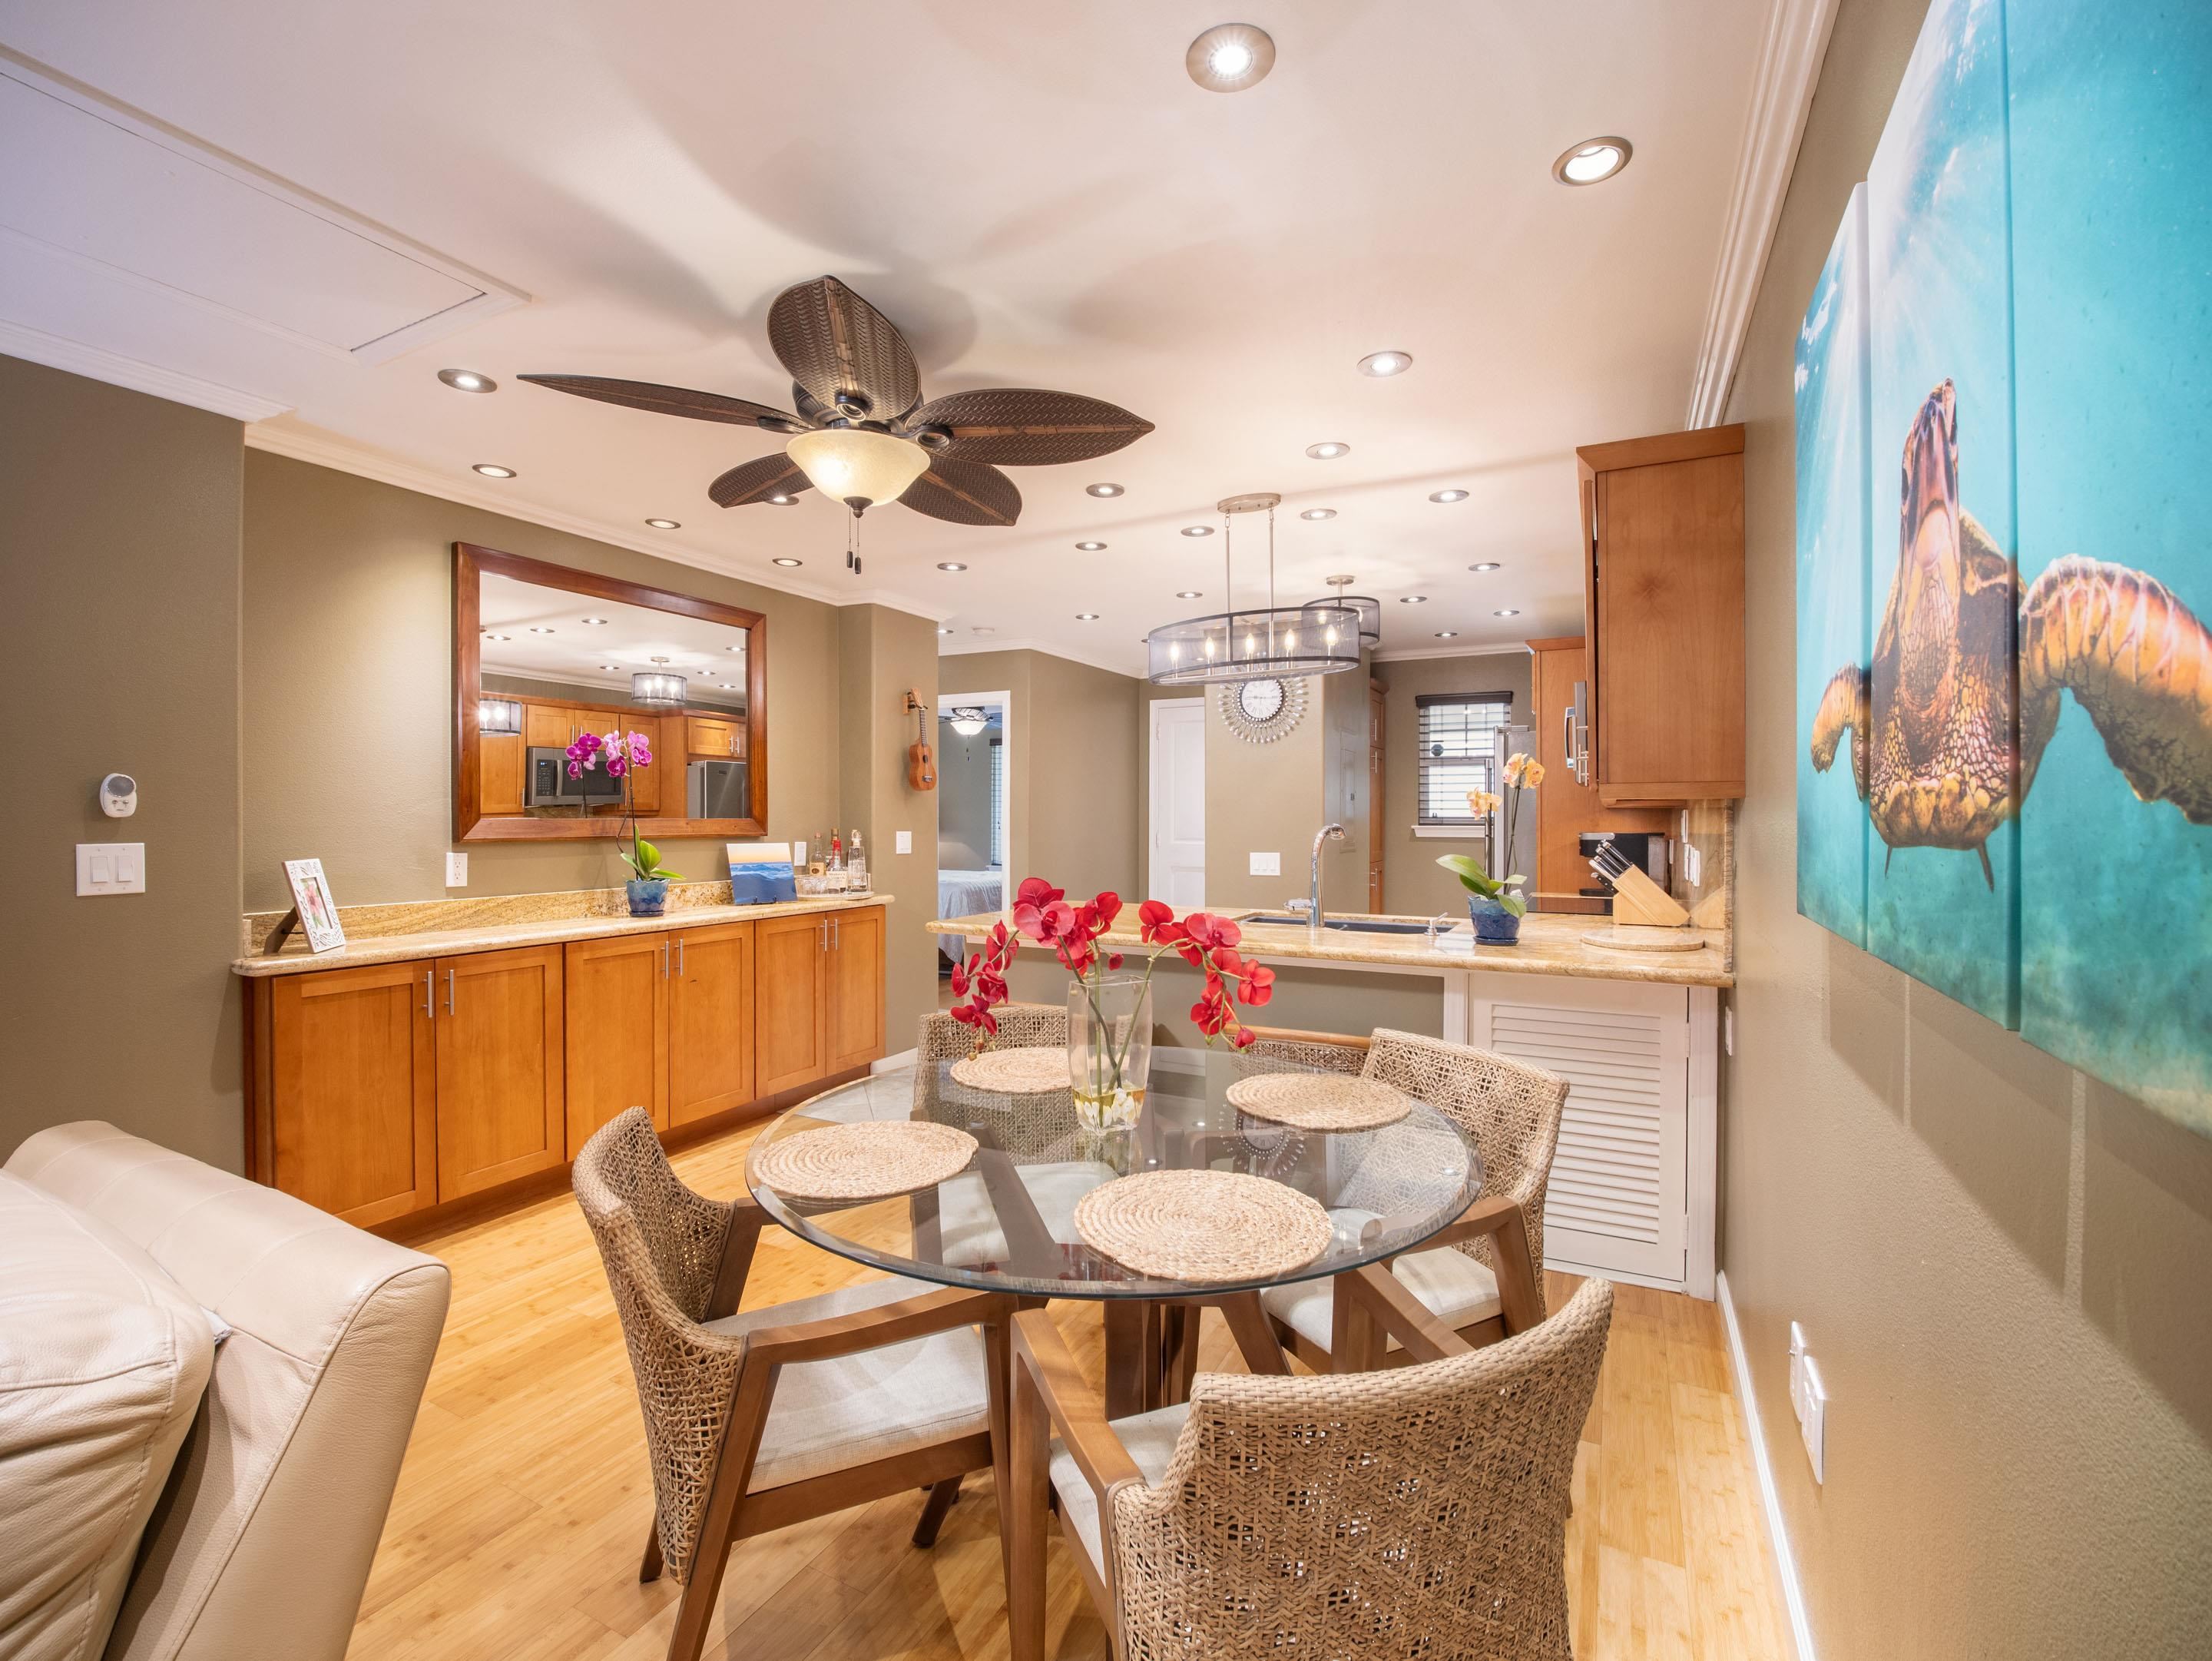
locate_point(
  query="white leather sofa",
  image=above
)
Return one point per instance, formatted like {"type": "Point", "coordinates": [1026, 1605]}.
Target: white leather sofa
{"type": "Point", "coordinates": [150, 1518]}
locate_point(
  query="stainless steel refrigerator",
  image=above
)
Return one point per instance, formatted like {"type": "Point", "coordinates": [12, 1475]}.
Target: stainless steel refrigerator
{"type": "Point", "coordinates": [717, 790]}
{"type": "Point", "coordinates": [1501, 860]}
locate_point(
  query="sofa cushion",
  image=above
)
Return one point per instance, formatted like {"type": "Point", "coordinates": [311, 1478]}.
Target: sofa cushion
{"type": "Point", "coordinates": [103, 1359]}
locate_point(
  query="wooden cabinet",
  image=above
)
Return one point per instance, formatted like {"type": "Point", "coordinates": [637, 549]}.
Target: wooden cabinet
{"type": "Point", "coordinates": [548, 725]}
{"type": "Point", "coordinates": [617, 1044]}
{"type": "Point", "coordinates": [1566, 807]}
{"type": "Point", "coordinates": [710, 1020]}
{"type": "Point", "coordinates": [500, 759]}
{"type": "Point", "coordinates": [344, 1084]}
{"type": "Point", "coordinates": [501, 1067]}
{"type": "Point", "coordinates": [711, 736]}
{"type": "Point", "coordinates": [854, 971]}
{"type": "Point", "coordinates": [1663, 524]}
{"type": "Point", "coordinates": [791, 1028]}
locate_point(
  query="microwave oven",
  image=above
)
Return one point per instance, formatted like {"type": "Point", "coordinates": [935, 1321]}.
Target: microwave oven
{"type": "Point", "coordinates": [548, 784]}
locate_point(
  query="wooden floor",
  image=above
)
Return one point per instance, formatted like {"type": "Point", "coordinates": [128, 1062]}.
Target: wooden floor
{"type": "Point", "coordinates": [525, 1498]}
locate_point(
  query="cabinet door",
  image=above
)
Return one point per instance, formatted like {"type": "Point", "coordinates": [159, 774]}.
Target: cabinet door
{"type": "Point", "coordinates": [548, 725]}
{"type": "Point", "coordinates": [712, 737]}
{"type": "Point", "coordinates": [616, 993]}
{"type": "Point", "coordinates": [790, 1031]}
{"type": "Point", "coordinates": [646, 783]}
{"type": "Point", "coordinates": [856, 988]}
{"type": "Point", "coordinates": [500, 759]}
{"type": "Point", "coordinates": [351, 1091]}
{"type": "Point", "coordinates": [500, 1068]}
{"type": "Point", "coordinates": [1566, 810]}
{"type": "Point", "coordinates": [710, 1021]}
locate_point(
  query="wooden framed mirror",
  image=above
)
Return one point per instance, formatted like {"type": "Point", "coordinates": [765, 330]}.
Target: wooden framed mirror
{"type": "Point", "coordinates": [543, 654]}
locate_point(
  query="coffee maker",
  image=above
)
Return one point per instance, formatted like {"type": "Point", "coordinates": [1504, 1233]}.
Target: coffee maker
{"type": "Point", "coordinates": [1645, 849]}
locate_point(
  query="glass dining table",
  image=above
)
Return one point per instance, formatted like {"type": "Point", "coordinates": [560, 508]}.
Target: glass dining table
{"type": "Point", "coordinates": [1005, 1224]}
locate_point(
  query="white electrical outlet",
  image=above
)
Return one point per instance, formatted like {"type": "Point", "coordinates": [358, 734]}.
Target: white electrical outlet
{"type": "Point", "coordinates": [1808, 1399]}
{"type": "Point", "coordinates": [904, 843]}
{"type": "Point", "coordinates": [456, 870]}
{"type": "Point", "coordinates": [1693, 864]}
{"type": "Point", "coordinates": [110, 867]}
{"type": "Point", "coordinates": [1267, 865]}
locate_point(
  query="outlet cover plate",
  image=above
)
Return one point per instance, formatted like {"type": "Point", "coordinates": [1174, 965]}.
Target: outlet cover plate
{"type": "Point", "coordinates": [904, 843]}
{"type": "Point", "coordinates": [456, 870]}
{"type": "Point", "coordinates": [110, 867]}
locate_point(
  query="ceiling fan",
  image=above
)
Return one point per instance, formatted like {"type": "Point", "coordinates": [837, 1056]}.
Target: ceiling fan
{"type": "Point", "coordinates": [860, 431]}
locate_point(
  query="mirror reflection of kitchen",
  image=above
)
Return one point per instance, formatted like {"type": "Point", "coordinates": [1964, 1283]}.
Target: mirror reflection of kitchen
{"type": "Point", "coordinates": [556, 665]}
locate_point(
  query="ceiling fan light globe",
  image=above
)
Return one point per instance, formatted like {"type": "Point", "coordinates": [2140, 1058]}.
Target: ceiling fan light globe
{"type": "Point", "coordinates": [857, 467]}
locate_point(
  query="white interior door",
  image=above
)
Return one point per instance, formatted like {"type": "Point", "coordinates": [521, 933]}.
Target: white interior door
{"type": "Point", "coordinates": [1178, 789]}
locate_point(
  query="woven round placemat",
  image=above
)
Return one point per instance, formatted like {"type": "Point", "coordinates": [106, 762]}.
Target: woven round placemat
{"type": "Point", "coordinates": [1202, 1226]}
{"type": "Point", "coordinates": [1320, 1101]}
{"type": "Point", "coordinates": [1014, 1071]}
{"type": "Point", "coordinates": [871, 1159]}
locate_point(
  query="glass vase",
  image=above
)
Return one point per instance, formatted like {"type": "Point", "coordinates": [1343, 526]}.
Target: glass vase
{"type": "Point", "coordinates": [1109, 1048]}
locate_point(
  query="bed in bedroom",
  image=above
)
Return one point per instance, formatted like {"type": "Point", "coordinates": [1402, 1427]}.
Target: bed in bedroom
{"type": "Point", "coordinates": [964, 894]}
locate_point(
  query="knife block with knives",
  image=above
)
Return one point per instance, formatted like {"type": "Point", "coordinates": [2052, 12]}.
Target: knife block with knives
{"type": "Point", "coordinates": [1640, 904]}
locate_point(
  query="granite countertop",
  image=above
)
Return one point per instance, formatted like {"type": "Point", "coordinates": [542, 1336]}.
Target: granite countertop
{"type": "Point", "coordinates": [1551, 944]}
{"type": "Point", "coordinates": [296, 959]}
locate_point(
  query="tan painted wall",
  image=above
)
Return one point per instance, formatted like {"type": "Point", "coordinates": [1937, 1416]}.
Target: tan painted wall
{"type": "Point", "coordinates": [349, 679]}
{"type": "Point", "coordinates": [1265, 798]}
{"type": "Point", "coordinates": [119, 653]}
{"type": "Point", "coordinates": [1413, 886]}
{"type": "Point", "coordinates": [1073, 799]}
{"type": "Point", "coordinates": [2004, 1267]}
{"type": "Point", "coordinates": [885, 653]}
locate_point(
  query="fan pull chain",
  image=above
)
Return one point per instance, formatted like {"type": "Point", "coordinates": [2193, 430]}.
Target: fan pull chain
{"type": "Point", "coordinates": [853, 544]}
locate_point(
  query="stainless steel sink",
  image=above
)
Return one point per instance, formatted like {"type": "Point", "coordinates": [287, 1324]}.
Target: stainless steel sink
{"type": "Point", "coordinates": [1345, 925]}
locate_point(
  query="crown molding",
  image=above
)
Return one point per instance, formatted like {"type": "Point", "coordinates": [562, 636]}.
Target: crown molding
{"type": "Point", "coordinates": [1024, 643]}
{"type": "Point", "coordinates": [1415, 654]}
{"type": "Point", "coordinates": [1781, 97]}
{"type": "Point", "coordinates": [98, 363]}
{"type": "Point", "coordinates": [324, 450]}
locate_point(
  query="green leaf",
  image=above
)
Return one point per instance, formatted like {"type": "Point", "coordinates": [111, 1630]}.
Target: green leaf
{"type": "Point", "coordinates": [1516, 877]}
{"type": "Point", "coordinates": [1514, 904]}
{"type": "Point", "coordinates": [1462, 866]}
{"type": "Point", "coordinates": [663, 871]}
{"type": "Point", "coordinates": [648, 855]}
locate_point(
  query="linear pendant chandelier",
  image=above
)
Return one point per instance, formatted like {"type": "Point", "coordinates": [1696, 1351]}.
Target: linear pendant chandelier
{"type": "Point", "coordinates": [1320, 637]}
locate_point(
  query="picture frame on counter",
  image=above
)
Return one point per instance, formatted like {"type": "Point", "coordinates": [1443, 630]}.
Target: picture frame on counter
{"type": "Point", "coordinates": [312, 900]}
{"type": "Point", "coordinates": [761, 872]}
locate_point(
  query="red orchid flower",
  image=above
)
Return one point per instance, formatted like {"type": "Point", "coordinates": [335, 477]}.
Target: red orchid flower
{"type": "Point", "coordinates": [1258, 984]}
{"type": "Point", "coordinates": [1157, 924]}
{"type": "Point", "coordinates": [1036, 890]}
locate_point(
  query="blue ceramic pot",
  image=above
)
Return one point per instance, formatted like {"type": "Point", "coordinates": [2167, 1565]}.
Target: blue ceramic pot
{"type": "Point", "coordinates": [648, 897]}
{"type": "Point", "coordinates": [1493, 924]}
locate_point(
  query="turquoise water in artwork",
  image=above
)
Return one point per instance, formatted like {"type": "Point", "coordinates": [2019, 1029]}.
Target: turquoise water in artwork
{"type": "Point", "coordinates": [1940, 308]}
{"type": "Point", "coordinates": [2110, 122]}
{"type": "Point", "coordinates": [1832, 573]}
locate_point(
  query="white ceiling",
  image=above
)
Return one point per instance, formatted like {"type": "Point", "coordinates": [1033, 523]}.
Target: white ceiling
{"type": "Point", "coordinates": [553, 634]}
{"type": "Point", "coordinates": [1036, 195]}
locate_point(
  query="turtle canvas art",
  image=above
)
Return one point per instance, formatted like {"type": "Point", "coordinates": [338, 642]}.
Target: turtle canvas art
{"type": "Point", "coordinates": [2028, 733]}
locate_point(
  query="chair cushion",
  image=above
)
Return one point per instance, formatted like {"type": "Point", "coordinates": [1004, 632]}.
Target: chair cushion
{"type": "Point", "coordinates": [853, 1409]}
{"type": "Point", "coordinates": [1151, 1440]}
{"type": "Point", "coordinates": [103, 1359]}
{"type": "Point", "coordinates": [968, 1222]}
{"type": "Point", "coordinates": [1453, 1287]}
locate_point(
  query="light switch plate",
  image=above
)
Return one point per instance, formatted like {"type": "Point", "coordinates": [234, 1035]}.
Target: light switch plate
{"type": "Point", "coordinates": [1808, 1399]}
{"type": "Point", "coordinates": [1693, 864]}
{"type": "Point", "coordinates": [456, 870]}
{"type": "Point", "coordinates": [1267, 865]}
{"type": "Point", "coordinates": [903, 843]}
{"type": "Point", "coordinates": [110, 867]}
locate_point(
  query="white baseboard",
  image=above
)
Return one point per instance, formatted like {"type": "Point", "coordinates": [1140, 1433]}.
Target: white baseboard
{"type": "Point", "coordinates": [892, 1063]}
{"type": "Point", "coordinates": [1793, 1595]}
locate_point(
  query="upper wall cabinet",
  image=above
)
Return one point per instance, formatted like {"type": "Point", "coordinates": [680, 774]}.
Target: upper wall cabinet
{"type": "Point", "coordinates": [1662, 718]}
{"type": "Point", "coordinates": [547, 655]}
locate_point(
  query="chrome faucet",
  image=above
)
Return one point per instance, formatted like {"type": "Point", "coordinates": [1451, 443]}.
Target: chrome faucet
{"type": "Point", "coordinates": [1444, 921]}
{"type": "Point", "coordinates": [1327, 833]}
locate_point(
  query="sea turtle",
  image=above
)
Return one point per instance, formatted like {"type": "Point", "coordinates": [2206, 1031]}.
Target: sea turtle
{"type": "Point", "coordinates": [1934, 758]}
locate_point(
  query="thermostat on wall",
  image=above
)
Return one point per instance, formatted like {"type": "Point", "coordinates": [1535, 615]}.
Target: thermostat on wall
{"type": "Point", "coordinates": [118, 795]}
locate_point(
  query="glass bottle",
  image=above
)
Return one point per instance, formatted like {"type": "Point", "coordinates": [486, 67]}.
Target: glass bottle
{"type": "Point", "coordinates": [856, 865]}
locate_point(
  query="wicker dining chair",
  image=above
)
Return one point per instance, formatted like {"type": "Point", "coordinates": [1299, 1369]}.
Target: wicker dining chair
{"type": "Point", "coordinates": [1326, 1052]}
{"type": "Point", "coordinates": [1484, 1275]}
{"type": "Point", "coordinates": [1419, 1511]}
{"type": "Point", "coordinates": [759, 1420]}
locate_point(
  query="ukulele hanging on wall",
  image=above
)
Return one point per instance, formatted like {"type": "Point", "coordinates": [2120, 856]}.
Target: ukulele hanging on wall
{"type": "Point", "coordinates": [921, 760]}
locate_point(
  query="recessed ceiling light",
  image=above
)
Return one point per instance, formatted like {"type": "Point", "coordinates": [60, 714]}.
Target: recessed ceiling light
{"type": "Point", "coordinates": [1102, 489]}
{"type": "Point", "coordinates": [787, 561]}
{"type": "Point", "coordinates": [1198, 530]}
{"type": "Point", "coordinates": [1091, 547]}
{"type": "Point", "coordinates": [535, 629]}
{"type": "Point", "coordinates": [779, 500]}
{"type": "Point", "coordinates": [597, 623]}
{"type": "Point", "coordinates": [1448, 495]}
{"type": "Point", "coordinates": [943, 632]}
{"type": "Point", "coordinates": [1486, 565]}
{"type": "Point", "coordinates": [950, 565]}
{"type": "Point", "coordinates": [983, 629]}
{"type": "Point", "coordinates": [1086, 617]}
{"type": "Point", "coordinates": [1231, 57]}
{"type": "Point", "coordinates": [1593, 161]}
{"type": "Point", "coordinates": [610, 665]}
{"type": "Point", "coordinates": [733, 648]}
{"type": "Point", "coordinates": [1189, 594]}
{"type": "Point", "coordinates": [468, 380]}
{"type": "Point", "coordinates": [1328, 451]}
{"type": "Point", "coordinates": [1318, 513]}
{"type": "Point", "coordinates": [1508, 612]}
{"type": "Point", "coordinates": [1383, 364]}
{"type": "Point", "coordinates": [1447, 634]}
{"type": "Point", "coordinates": [493, 470]}
{"type": "Point", "coordinates": [489, 636]}
{"type": "Point", "coordinates": [664, 523]}
{"type": "Point", "coordinates": [1412, 600]}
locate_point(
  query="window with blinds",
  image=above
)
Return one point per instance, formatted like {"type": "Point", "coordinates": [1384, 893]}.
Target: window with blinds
{"type": "Point", "coordinates": [1457, 729]}
{"type": "Point", "coordinates": [997, 803]}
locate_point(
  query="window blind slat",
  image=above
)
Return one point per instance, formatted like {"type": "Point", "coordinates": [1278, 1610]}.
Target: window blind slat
{"type": "Point", "coordinates": [1455, 751]}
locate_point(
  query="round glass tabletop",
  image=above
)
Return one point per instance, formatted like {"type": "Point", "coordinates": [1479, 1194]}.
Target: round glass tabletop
{"type": "Point", "coordinates": [1006, 1223]}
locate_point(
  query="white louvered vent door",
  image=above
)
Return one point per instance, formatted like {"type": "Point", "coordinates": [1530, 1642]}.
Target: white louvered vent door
{"type": "Point", "coordinates": [1619, 1191]}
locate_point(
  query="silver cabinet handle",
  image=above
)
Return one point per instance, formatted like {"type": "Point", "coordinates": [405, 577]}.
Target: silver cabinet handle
{"type": "Point", "coordinates": [679, 957]}
{"type": "Point", "coordinates": [824, 926]}
{"type": "Point", "coordinates": [1569, 753]}
{"type": "Point", "coordinates": [837, 934]}
{"type": "Point", "coordinates": [664, 960]}
{"type": "Point", "coordinates": [430, 992]}
{"type": "Point", "coordinates": [449, 991]}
